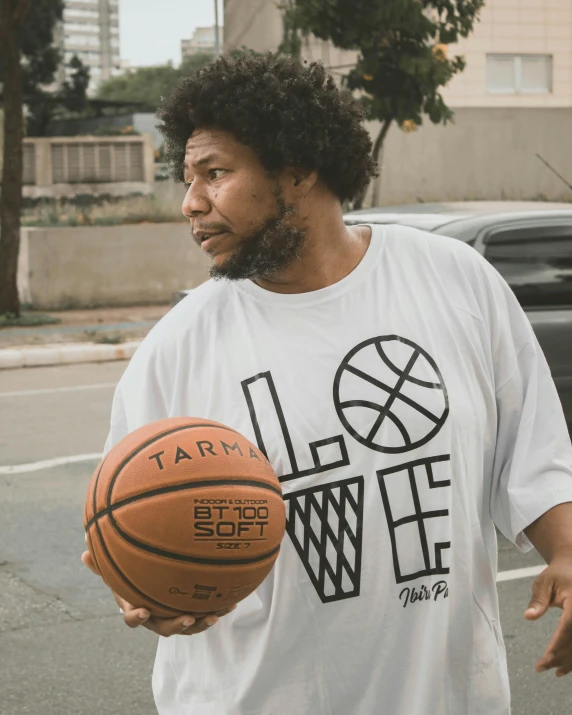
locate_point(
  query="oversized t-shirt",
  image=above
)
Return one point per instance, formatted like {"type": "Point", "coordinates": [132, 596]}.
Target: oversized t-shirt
{"type": "Point", "coordinates": [406, 409]}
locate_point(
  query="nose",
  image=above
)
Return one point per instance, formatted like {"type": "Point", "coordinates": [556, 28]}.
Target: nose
{"type": "Point", "coordinates": [195, 202]}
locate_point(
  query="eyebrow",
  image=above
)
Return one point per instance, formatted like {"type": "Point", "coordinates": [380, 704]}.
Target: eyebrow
{"type": "Point", "coordinates": [204, 160]}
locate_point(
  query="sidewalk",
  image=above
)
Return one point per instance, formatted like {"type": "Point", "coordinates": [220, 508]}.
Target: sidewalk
{"type": "Point", "coordinates": [81, 336]}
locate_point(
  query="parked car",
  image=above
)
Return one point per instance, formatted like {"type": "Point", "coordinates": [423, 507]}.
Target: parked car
{"type": "Point", "coordinates": [530, 244]}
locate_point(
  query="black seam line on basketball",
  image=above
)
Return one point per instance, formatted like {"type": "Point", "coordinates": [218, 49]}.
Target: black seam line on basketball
{"type": "Point", "coordinates": [87, 523]}
{"type": "Point", "coordinates": [401, 427]}
{"type": "Point", "coordinates": [391, 399]}
{"type": "Point", "coordinates": [391, 390]}
{"type": "Point", "coordinates": [394, 369]}
{"type": "Point", "coordinates": [188, 559]}
{"type": "Point", "coordinates": [182, 487]}
{"type": "Point", "coordinates": [112, 562]}
{"type": "Point", "coordinates": [150, 441]}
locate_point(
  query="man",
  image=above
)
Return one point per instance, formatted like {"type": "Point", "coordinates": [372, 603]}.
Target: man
{"type": "Point", "coordinates": [399, 393]}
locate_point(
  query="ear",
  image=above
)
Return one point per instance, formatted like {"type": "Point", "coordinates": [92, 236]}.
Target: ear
{"type": "Point", "coordinates": [301, 178]}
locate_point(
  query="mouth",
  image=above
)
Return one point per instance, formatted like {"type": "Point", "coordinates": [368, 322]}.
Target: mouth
{"type": "Point", "coordinates": [208, 241]}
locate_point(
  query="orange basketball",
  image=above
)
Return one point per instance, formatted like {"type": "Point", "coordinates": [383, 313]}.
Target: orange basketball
{"type": "Point", "coordinates": [184, 515]}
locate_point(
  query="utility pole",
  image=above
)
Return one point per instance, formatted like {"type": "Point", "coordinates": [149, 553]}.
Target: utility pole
{"type": "Point", "coordinates": [217, 41]}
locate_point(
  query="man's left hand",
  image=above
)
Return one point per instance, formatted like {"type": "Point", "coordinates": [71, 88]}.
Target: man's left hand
{"type": "Point", "coordinates": [553, 588]}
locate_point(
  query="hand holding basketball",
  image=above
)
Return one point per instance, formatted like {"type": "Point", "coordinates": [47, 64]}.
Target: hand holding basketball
{"type": "Point", "coordinates": [185, 625]}
{"type": "Point", "coordinates": [184, 518]}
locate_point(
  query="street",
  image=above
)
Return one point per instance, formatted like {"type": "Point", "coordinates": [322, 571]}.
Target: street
{"type": "Point", "coordinates": [63, 647]}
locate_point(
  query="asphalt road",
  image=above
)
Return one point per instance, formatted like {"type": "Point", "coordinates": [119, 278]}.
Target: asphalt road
{"type": "Point", "coordinates": [63, 647]}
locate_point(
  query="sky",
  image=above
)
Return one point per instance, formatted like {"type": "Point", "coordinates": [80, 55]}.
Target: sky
{"type": "Point", "coordinates": [150, 31]}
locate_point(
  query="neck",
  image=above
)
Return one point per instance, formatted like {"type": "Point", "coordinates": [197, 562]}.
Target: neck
{"type": "Point", "coordinates": [331, 251]}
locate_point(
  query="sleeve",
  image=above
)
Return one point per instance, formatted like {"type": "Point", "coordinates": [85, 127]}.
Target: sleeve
{"type": "Point", "coordinates": [532, 468]}
{"type": "Point", "coordinates": [118, 428]}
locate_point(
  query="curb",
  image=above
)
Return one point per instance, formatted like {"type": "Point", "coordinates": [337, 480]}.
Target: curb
{"type": "Point", "coordinates": [34, 356]}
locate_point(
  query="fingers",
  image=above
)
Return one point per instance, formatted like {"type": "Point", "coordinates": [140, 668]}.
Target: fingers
{"type": "Point", "coordinates": [89, 562]}
{"type": "Point", "coordinates": [542, 592]}
{"type": "Point", "coordinates": [182, 625]}
{"type": "Point", "coordinates": [558, 654]}
{"type": "Point", "coordinates": [132, 616]}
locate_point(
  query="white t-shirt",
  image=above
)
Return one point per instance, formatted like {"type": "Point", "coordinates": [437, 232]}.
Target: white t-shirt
{"type": "Point", "coordinates": [407, 409]}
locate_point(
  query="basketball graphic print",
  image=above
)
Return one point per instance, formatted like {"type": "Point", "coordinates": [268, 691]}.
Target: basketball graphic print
{"type": "Point", "coordinates": [390, 395]}
{"type": "Point", "coordinates": [325, 524]}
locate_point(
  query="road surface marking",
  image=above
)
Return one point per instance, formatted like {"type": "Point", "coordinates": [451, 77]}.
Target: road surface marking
{"type": "Point", "coordinates": [47, 463]}
{"type": "Point", "coordinates": [46, 390]}
{"type": "Point", "coordinates": [520, 573]}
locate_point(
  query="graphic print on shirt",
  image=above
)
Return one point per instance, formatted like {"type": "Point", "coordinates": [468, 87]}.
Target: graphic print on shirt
{"type": "Point", "coordinates": [264, 393]}
{"type": "Point", "coordinates": [391, 398]}
{"type": "Point", "coordinates": [325, 525]}
{"type": "Point", "coordinates": [412, 517]}
{"type": "Point", "coordinates": [325, 522]}
{"type": "Point", "coordinates": [389, 395]}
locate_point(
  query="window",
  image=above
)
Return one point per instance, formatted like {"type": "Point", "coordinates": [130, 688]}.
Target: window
{"type": "Point", "coordinates": [71, 27]}
{"type": "Point", "coordinates": [82, 40]}
{"type": "Point", "coordinates": [29, 168]}
{"type": "Point", "coordinates": [536, 262]}
{"type": "Point", "coordinates": [519, 74]}
{"type": "Point", "coordinates": [85, 162]}
{"type": "Point", "coordinates": [73, 14]}
{"type": "Point", "coordinates": [86, 57]}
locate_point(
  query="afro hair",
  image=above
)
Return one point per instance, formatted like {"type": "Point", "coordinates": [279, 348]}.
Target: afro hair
{"type": "Point", "coordinates": [288, 111]}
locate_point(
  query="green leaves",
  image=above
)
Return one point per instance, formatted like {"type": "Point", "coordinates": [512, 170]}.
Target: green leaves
{"type": "Point", "coordinates": [148, 84]}
{"type": "Point", "coordinates": [403, 59]}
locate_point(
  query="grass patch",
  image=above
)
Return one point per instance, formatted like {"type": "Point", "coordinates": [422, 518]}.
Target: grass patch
{"type": "Point", "coordinates": [28, 320]}
{"type": "Point", "coordinates": [105, 339]}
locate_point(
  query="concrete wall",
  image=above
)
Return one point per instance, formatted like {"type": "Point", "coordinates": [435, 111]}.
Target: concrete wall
{"type": "Point", "coordinates": [487, 154]}
{"type": "Point", "coordinates": [108, 266]}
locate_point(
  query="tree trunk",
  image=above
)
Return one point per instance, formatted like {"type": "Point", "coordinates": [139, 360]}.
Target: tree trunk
{"type": "Point", "coordinates": [375, 153]}
{"type": "Point", "coordinates": [12, 168]}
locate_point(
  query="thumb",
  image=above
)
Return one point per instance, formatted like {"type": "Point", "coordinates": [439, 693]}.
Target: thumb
{"type": "Point", "coordinates": [541, 598]}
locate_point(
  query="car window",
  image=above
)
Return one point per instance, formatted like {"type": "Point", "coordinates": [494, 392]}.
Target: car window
{"type": "Point", "coordinates": [535, 261]}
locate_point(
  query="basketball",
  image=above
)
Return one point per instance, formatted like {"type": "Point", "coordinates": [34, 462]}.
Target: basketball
{"type": "Point", "coordinates": [184, 515]}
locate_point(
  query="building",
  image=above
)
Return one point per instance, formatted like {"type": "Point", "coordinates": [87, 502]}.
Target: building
{"type": "Point", "coordinates": [203, 40]}
{"type": "Point", "coordinates": [90, 30]}
{"type": "Point", "coordinates": [518, 55]}
{"type": "Point", "coordinates": [512, 104]}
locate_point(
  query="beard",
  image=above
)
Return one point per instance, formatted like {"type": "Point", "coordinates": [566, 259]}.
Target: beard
{"type": "Point", "coordinates": [268, 250]}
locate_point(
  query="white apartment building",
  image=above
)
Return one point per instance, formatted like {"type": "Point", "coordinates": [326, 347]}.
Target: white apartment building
{"type": "Point", "coordinates": [518, 55]}
{"type": "Point", "coordinates": [90, 30]}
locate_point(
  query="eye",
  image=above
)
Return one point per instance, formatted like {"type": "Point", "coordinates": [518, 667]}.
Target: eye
{"type": "Point", "coordinates": [214, 171]}
{"type": "Point", "coordinates": [187, 184]}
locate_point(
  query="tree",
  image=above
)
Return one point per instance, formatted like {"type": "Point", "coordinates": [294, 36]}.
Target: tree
{"type": "Point", "coordinates": [402, 61]}
{"type": "Point", "coordinates": [44, 104]}
{"type": "Point", "coordinates": [27, 55]}
{"type": "Point", "coordinates": [148, 84]}
{"type": "Point", "coordinates": [291, 43]}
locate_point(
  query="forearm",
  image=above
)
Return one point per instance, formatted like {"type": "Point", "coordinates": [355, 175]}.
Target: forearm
{"type": "Point", "coordinates": [551, 534]}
